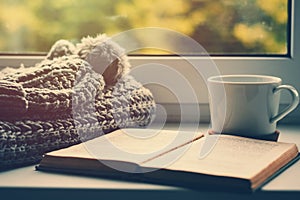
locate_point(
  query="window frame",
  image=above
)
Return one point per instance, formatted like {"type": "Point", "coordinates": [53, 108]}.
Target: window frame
{"type": "Point", "coordinates": [285, 67]}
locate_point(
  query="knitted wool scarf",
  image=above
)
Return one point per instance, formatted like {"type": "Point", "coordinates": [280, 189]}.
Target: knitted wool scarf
{"type": "Point", "coordinates": [60, 102]}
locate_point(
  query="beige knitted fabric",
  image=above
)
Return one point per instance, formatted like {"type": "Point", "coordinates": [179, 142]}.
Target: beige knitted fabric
{"type": "Point", "coordinates": [60, 102]}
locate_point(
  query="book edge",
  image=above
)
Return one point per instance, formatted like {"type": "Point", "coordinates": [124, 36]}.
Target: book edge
{"type": "Point", "coordinates": [277, 172]}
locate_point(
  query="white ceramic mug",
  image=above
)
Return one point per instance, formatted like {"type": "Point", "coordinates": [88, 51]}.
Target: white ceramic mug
{"type": "Point", "coordinates": [247, 105]}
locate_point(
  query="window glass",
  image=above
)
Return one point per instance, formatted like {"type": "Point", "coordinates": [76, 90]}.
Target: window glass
{"type": "Point", "coordinates": [222, 27]}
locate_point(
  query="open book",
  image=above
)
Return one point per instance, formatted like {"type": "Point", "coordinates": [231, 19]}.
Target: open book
{"type": "Point", "coordinates": [175, 158]}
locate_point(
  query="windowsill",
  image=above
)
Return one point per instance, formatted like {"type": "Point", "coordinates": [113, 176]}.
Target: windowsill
{"type": "Point", "coordinates": [26, 182]}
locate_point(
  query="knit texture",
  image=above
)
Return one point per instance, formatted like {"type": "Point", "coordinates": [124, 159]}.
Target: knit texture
{"type": "Point", "coordinates": [60, 102]}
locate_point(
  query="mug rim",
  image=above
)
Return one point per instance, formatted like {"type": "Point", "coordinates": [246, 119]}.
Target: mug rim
{"type": "Point", "coordinates": [268, 79]}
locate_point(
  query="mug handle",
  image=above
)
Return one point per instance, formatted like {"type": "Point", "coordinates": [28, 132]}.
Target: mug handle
{"type": "Point", "coordinates": [291, 107]}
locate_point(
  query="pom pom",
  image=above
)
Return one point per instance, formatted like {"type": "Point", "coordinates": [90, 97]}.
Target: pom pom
{"type": "Point", "coordinates": [61, 48]}
{"type": "Point", "coordinates": [105, 56]}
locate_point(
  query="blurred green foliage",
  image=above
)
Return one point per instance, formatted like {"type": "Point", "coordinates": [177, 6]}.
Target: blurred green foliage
{"type": "Point", "coordinates": [221, 26]}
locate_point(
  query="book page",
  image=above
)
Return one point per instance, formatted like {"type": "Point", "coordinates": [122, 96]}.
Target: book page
{"type": "Point", "coordinates": [231, 156]}
{"type": "Point", "coordinates": [130, 145]}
